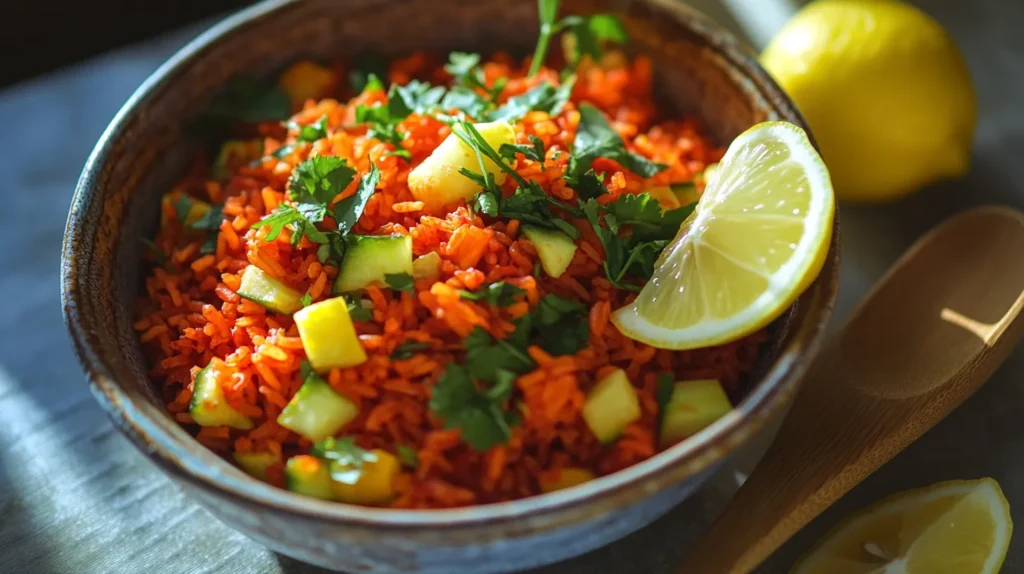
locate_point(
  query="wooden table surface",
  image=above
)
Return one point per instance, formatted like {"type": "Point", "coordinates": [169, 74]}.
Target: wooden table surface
{"type": "Point", "coordinates": [76, 497]}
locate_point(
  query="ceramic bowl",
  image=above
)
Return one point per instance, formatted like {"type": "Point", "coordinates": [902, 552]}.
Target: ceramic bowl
{"type": "Point", "coordinates": [700, 68]}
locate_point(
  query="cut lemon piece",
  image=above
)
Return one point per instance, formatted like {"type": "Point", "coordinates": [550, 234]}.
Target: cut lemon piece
{"type": "Point", "coordinates": [955, 527]}
{"type": "Point", "coordinates": [758, 238]}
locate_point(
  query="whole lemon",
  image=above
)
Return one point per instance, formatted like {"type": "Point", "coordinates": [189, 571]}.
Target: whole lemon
{"type": "Point", "coordinates": [885, 91]}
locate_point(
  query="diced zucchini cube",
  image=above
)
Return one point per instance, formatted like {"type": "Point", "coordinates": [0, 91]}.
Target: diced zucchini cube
{"type": "Point", "coordinates": [692, 406]}
{"type": "Point", "coordinates": [244, 150]}
{"type": "Point", "coordinates": [308, 475]}
{"type": "Point", "coordinates": [426, 266]}
{"type": "Point", "coordinates": [555, 248]}
{"type": "Point", "coordinates": [317, 411]}
{"type": "Point", "coordinates": [564, 478]}
{"type": "Point", "coordinates": [368, 258]}
{"type": "Point", "coordinates": [328, 335]}
{"type": "Point", "coordinates": [261, 288]}
{"type": "Point", "coordinates": [256, 464]}
{"type": "Point", "coordinates": [611, 406]}
{"type": "Point", "coordinates": [374, 484]}
{"type": "Point", "coordinates": [437, 181]}
{"type": "Point", "coordinates": [209, 407]}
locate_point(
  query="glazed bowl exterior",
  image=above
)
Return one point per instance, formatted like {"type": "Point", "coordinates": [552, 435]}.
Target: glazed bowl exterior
{"type": "Point", "coordinates": [700, 69]}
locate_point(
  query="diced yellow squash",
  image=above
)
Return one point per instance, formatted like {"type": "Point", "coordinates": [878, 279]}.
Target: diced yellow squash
{"type": "Point", "coordinates": [555, 248]}
{"type": "Point", "coordinates": [373, 485]}
{"type": "Point", "coordinates": [196, 210]}
{"type": "Point", "coordinates": [709, 172]}
{"type": "Point", "coordinates": [306, 80]}
{"type": "Point", "coordinates": [437, 181]}
{"type": "Point", "coordinates": [261, 288]}
{"type": "Point", "coordinates": [686, 193]}
{"type": "Point", "coordinates": [209, 407]}
{"type": "Point", "coordinates": [305, 474]}
{"type": "Point", "coordinates": [426, 266]}
{"type": "Point", "coordinates": [256, 463]}
{"type": "Point", "coordinates": [564, 478]}
{"type": "Point", "coordinates": [665, 196]}
{"type": "Point", "coordinates": [611, 406]}
{"type": "Point", "coordinates": [328, 335]}
{"type": "Point", "coordinates": [692, 406]}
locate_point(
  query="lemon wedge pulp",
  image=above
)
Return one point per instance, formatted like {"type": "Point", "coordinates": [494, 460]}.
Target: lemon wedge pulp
{"type": "Point", "coordinates": [758, 237]}
{"type": "Point", "coordinates": [948, 528]}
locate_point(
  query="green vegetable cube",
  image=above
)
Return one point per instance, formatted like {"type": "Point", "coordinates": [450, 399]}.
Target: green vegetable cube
{"type": "Point", "coordinates": [368, 258]}
{"type": "Point", "coordinates": [209, 407]}
{"type": "Point", "coordinates": [317, 411]}
{"type": "Point", "coordinates": [692, 406]}
{"type": "Point", "coordinates": [555, 248]}
{"type": "Point", "coordinates": [261, 288]}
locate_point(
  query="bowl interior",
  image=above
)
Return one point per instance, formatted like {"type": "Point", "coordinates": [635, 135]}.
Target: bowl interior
{"type": "Point", "coordinates": [699, 70]}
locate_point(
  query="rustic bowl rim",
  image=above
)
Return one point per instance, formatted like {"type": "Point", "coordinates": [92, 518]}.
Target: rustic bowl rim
{"type": "Point", "coordinates": [766, 397]}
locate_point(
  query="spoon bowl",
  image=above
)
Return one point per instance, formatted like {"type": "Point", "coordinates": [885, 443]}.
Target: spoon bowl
{"type": "Point", "coordinates": [924, 339]}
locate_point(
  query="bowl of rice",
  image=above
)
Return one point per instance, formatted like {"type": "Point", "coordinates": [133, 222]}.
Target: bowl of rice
{"type": "Point", "coordinates": [347, 272]}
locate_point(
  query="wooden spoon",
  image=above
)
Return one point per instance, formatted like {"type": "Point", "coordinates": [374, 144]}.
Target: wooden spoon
{"type": "Point", "coordinates": [925, 338]}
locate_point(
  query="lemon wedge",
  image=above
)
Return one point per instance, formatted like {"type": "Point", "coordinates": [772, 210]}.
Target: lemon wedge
{"type": "Point", "coordinates": [947, 528]}
{"type": "Point", "coordinates": [758, 238]}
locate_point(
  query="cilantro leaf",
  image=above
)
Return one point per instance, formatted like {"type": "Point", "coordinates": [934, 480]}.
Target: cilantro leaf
{"type": "Point", "coordinates": [486, 357]}
{"type": "Point", "coordinates": [348, 211]}
{"type": "Point", "coordinates": [595, 138]}
{"type": "Point", "coordinates": [345, 458]}
{"type": "Point", "coordinates": [356, 311]}
{"type": "Point", "coordinates": [210, 221]}
{"type": "Point", "coordinates": [408, 350]}
{"type": "Point", "coordinates": [368, 65]}
{"type": "Point", "coordinates": [499, 294]}
{"type": "Point", "coordinates": [533, 152]}
{"type": "Point", "coordinates": [400, 282]}
{"type": "Point", "coordinates": [561, 325]}
{"type": "Point", "coordinates": [244, 99]}
{"type": "Point", "coordinates": [312, 132]}
{"type": "Point", "coordinates": [479, 414]}
{"type": "Point", "coordinates": [590, 31]}
{"type": "Point", "coordinates": [531, 204]}
{"type": "Point", "coordinates": [542, 98]}
{"type": "Point", "coordinates": [467, 101]}
{"type": "Point", "coordinates": [414, 97]}
{"type": "Point", "coordinates": [644, 213]}
{"type": "Point", "coordinates": [306, 299]}
{"type": "Point", "coordinates": [319, 179]}
{"type": "Point", "coordinates": [287, 215]}
{"type": "Point", "coordinates": [182, 205]}
{"type": "Point", "coordinates": [408, 456]}
{"type": "Point", "coordinates": [465, 69]}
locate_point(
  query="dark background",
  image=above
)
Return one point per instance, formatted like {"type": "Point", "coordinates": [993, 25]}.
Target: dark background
{"type": "Point", "coordinates": [37, 36]}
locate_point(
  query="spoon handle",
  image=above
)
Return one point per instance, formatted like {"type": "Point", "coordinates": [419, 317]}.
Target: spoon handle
{"type": "Point", "coordinates": [897, 368]}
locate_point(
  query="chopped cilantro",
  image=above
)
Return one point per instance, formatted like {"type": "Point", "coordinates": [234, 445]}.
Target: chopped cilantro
{"type": "Point", "coordinates": [408, 456]}
{"type": "Point", "coordinates": [408, 350]}
{"type": "Point", "coordinates": [543, 98]}
{"type": "Point", "coordinates": [319, 179]}
{"type": "Point", "coordinates": [533, 152]}
{"type": "Point", "coordinates": [368, 66]}
{"type": "Point", "coordinates": [348, 211]}
{"type": "Point", "coordinates": [283, 151]}
{"type": "Point", "coordinates": [500, 294]}
{"type": "Point", "coordinates": [306, 299]}
{"type": "Point", "coordinates": [400, 282]}
{"type": "Point", "coordinates": [488, 358]}
{"type": "Point", "coordinates": [210, 221]}
{"type": "Point", "coordinates": [356, 311]}
{"type": "Point", "coordinates": [467, 101]}
{"type": "Point", "coordinates": [644, 213]}
{"type": "Point", "coordinates": [287, 215]}
{"type": "Point", "coordinates": [310, 133]}
{"type": "Point", "coordinates": [182, 205]}
{"type": "Point", "coordinates": [479, 413]}
{"type": "Point", "coordinates": [345, 458]}
{"type": "Point", "coordinates": [595, 138]}
{"type": "Point", "coordinates": [590, 31]}
{"type": "Point", "coordinates": [414, 97]}
{"type": "Point", "coordinates": [561, 325]}
{"type": "Point", "coordinates": [465, 69]}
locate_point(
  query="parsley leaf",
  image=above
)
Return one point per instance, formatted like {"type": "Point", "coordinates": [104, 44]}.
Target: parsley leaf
{"type": "Point", "coordinates": [408, 350]}
{"type": "Point", "coordinates": [644, 213]}
{"type": "Point", "coordinates": [348, 211]}
{"type": "Point", "coordinates": [287, 215]}
{"type": "Point", "coordinates": [500, 294]}
{"type": "Point", "coordinates": [319, 179]}
{"type": "Point", "coordinates": [312, 132]}
{"type": "Point", "coordinates": [561, 325]}
{"type": "Point", "coordinates": [408, 456]}
{"type": "Point", "coordinates": [595, 138]}
{"type": "Point", "coordinates": [368, 65]}
{"type": "Point", "coordinates": [345, 458]}
{"type": "Point", "coordinates": [478, 413]}
{"type": "Point", "coordinates": [543, 98]}
{"type": "Point", "coordinates": [356, 311]}
{"type": "Point", "coordinates": [400, 282]}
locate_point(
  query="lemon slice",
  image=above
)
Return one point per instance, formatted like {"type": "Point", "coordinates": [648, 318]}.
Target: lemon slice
{"type": "Point", "coordinates": [955, 527]}
{"type": "Point", "coordinates": [758, 237]}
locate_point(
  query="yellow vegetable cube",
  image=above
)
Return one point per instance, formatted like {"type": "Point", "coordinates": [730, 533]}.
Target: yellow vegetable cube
{"type": "Point", "coordinates": [307, 81]}
{"type": "Point", "coordinates": [374, 483]}
{"type": "Point", "coordinates": [256, 464]}
{"type": "Point", "coordinates": [437, 181]}
{"type": "Point", "coordinates": [328, 335]}
{"type": "Point", "coordinates": [426, 266]}
{"type": "Point", "coordinates": [564, 478]}
{"type": "Point", "coordinates": [197, 208]}
{"type": "Point", "coordinates": [611, 406]}
{"type": "Point", "coordinates": [665, 196]}
{"type": "Point", "coordinates": [692, 406]}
